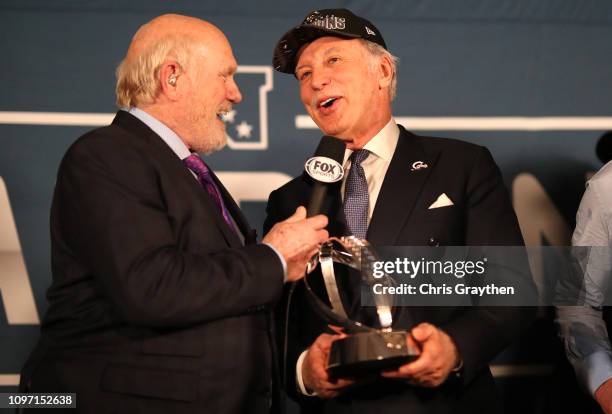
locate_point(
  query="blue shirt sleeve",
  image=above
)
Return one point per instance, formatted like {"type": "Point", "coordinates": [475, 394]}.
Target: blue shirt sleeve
{"type": "Point", "coordinates": [582, 328]}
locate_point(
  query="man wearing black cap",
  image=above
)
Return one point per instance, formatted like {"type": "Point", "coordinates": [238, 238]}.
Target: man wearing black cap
{"type": "Point", "coordinates": [399, 189]}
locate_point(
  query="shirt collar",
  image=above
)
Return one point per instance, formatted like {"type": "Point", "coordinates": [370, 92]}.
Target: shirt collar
{"type": "Point", "coordinates": [166, 134]}
{"type": "Point", "coordinates": [382, 144]}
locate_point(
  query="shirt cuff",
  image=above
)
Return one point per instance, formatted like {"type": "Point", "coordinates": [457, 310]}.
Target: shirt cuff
{"type": "Point", "coordinates": [282, 259]}
{"type": "Point", "coordinates": [298, 376]}
{"type": "Point", "coordinates": [597, 370]}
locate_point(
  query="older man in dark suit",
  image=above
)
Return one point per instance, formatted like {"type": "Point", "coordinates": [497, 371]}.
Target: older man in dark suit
{"type": "Point", "coordinates": [160, 296]}
{"type": "Point", "coordinates": [400, 189]}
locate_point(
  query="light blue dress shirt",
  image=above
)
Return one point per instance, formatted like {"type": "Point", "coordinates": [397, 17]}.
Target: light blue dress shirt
{"type": "Point", "coordinates": [582, 328]}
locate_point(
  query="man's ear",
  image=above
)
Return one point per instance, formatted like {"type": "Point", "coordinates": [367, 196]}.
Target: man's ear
{"type": "Point", "coordinates": [385, 69]}
{"type": "Point", "coordinates": [169, 79]}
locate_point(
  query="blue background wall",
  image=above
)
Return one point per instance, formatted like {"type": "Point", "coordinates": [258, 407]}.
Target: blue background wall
{"type": "Point", "coordinates": [475, 59]}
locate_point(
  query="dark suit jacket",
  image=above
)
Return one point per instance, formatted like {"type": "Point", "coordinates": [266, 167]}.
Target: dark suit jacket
{"type": "Point", "coordinates": [482, 215]}
{"type": "Point", "coordinates": [155, 305]}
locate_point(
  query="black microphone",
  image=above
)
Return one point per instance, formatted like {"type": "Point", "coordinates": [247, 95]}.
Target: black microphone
{"type": "Point", "coordinates": [325, 168]}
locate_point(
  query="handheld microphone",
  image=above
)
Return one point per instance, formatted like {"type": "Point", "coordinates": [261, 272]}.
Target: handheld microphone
{"type": "Point", "coordinates": [325, 167]}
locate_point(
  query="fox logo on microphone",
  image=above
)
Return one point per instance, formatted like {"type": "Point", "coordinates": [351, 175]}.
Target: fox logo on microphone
{"type": "Point", "coordinates": [324, 169]}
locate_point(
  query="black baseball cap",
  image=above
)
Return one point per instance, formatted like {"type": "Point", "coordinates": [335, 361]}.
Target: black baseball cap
{"type": "Point", "coordinates": [319, 23]}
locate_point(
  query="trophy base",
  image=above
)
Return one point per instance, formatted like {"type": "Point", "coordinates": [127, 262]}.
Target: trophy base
{"type": "Point", "coordinates": [369, 353]}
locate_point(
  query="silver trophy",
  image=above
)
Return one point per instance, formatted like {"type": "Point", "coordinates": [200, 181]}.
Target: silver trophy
{"type": "Point", "coordinates": [365, 351]}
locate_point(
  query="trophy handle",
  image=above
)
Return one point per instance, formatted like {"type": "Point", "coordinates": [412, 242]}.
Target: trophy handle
{"type": "Point", "coordinates": [327, 314]}
{"type": "Point", "coordinates": [357, 254]}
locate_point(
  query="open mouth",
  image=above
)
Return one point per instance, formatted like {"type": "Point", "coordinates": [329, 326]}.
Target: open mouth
{"type": "Point", "coordinates": [221, 115]}
{"type": "Point", "coordinates": [328, 103]}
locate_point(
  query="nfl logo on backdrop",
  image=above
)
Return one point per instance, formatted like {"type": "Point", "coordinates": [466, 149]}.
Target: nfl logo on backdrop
{"type": "Point", "coordinates": [246, 125]}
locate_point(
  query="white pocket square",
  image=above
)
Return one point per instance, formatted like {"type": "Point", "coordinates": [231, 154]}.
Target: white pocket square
{"type": "Point", "coordinates": [442, 201]}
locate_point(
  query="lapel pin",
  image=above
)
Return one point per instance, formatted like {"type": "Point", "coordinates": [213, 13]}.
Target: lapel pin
{"type": "Point", "coordinates": [418, 165]}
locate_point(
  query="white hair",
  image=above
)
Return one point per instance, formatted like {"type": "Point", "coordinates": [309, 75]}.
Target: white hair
{"type": "Point", "coordinates": [376, 51]}
{"type": "Point", "coordinates": [138, 78]}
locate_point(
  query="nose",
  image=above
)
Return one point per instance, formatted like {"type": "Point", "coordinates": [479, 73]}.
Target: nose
{"type": "Point", "coordinates": [319, 79]}
{"type": "Point", "coordinates": [233, 92]}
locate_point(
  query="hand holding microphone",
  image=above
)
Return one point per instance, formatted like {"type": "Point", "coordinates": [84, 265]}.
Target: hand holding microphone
{"type": "Point", "coordinates": [297, 239]}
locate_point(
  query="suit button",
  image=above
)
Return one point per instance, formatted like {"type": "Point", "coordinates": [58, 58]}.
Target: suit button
{"type": "Point", "coordinates": [432, 242]}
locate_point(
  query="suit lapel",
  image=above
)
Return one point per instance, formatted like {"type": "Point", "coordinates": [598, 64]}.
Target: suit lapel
{"type": "Point", "coordinates": [250, 235]}
{"type": "Point", "coordinates": [229, 234]}
{"type": "Point", "coordinates": [176, 167]}
{"type": "Point", "coordinates": [400, 190]}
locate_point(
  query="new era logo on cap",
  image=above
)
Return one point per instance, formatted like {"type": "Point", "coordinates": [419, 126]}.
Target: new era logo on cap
{"type": "Point", "coordinates": [370, 31]}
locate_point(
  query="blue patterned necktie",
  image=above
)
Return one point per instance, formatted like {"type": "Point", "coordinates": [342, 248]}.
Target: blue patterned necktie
{"type": "Point", "coordinates": [199, 167]}
{"type": "Point", "coordinates": [356, 198]}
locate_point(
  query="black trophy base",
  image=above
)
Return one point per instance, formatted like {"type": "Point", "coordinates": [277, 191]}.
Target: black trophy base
{"type": "Point", "coordinates": [369, 353]}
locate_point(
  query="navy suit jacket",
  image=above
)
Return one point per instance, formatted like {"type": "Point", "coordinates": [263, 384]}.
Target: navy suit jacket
{"type": "Point", "coordinates": [482, 215]}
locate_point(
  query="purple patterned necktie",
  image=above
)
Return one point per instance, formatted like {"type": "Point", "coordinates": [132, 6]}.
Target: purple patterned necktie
{"type": "Point", "coordinates": [356, 197]}
{"type": "Point", "coordinates": [199, 167]}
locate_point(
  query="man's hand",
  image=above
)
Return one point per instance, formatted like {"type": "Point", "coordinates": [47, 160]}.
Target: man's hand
{"type": "Point", "coordinates": [297, 239]}
{"type": "Point", "coordinates": [314, 372]}
{"type": "Point", "coordinates": [603, 395]}
{"type": "Point", "coordinates": [438, 357]}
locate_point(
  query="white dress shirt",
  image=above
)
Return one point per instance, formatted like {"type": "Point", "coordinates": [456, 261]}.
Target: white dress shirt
{"type": "Point", "coordinates": [381, 147]}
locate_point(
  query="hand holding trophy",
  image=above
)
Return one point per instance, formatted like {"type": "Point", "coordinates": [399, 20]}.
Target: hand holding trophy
{"type": "Point", "coordinates": [363, 350]}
